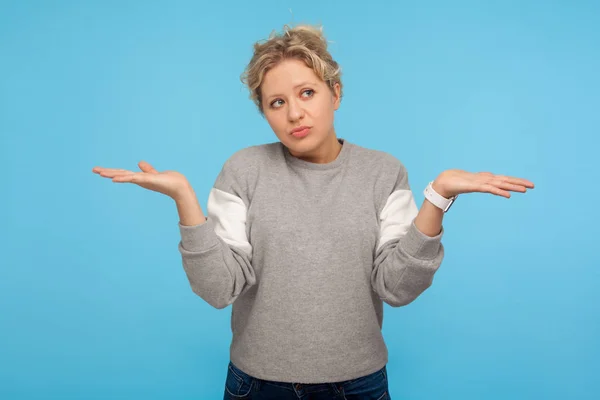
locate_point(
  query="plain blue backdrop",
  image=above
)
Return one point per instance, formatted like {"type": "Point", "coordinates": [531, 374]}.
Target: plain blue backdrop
{"type": "Point", "coordinates": [94, 302]}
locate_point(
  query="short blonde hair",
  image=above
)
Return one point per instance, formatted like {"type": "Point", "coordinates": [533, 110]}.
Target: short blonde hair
{"type": "Point", "coordinates": [303, 42]}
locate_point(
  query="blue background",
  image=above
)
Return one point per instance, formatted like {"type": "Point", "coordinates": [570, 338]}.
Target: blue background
{"type": "Point", "coordinates": [94, 302]}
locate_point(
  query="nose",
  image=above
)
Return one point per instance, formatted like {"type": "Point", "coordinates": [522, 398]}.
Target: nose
{"type": "Point", "coordinates": [295, 110]}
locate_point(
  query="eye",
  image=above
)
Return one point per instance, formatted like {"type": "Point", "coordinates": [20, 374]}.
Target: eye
{"type": "Point", "coordinates": [309, 91]}
{"type": "Point", "coordinates": [276, 103]}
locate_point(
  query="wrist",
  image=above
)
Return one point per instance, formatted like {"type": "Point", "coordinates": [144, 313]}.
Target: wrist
{"type": "Point", "coordinates": [184, 194]}
{"type": "Point", "coordinates": [439, 186]}
{"type": "Point", "coordinates": [442, 200]}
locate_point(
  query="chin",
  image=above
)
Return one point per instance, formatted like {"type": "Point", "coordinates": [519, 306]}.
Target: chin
{"type": "Point", "coordinates": [304, 145]}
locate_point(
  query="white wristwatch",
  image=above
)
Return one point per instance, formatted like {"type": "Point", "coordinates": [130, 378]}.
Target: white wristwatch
{"type": "Point", "coordinates": [437, 199]}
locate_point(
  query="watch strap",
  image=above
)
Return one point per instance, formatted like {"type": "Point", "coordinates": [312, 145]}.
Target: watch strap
{"type": "Point", "coordinates": [436, 199]}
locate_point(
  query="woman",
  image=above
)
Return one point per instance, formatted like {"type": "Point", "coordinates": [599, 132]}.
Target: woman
{"type": "Point", "coordinates": [307, 237]}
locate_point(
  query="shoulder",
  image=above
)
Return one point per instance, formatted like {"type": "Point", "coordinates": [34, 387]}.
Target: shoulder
{"type": "Point", "coordinates": [251, 156]}
{"type": "Point", "coordinates": [243, 167]}
{"type": "Point", "coordinates": [379, 160]}
{"type": "Point", "coordinates": [247, 161]}
{"type": "Point", "coordinates": [386, 171]}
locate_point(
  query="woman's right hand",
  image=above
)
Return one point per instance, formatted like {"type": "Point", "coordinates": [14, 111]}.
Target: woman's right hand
{"type": "Point", "coordinates": [171, 183]}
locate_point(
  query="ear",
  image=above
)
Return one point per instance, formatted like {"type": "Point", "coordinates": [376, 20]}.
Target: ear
{"type": "Point", "coordinates": [336, 96]}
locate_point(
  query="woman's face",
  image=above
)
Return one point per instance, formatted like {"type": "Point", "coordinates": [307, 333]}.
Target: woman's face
{"type": "Point", "coordinates": [294, 96]}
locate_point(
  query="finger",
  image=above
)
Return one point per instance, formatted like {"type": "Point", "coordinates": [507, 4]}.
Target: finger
{"type": "Point", "coordinates": [102, 169]}
{"type": "Point", "coordinates": [146, 167]}
{"type": "Point", "coordinates": [506, 185]}
{"type": "Point", "coordinates": [133, 177]}
{"type": "Point", "coordinates": [516, 181]}
{"type": "Point", "coordinates": [98, 169]}
{"type": "Point", "coordinates": [111, 173]}
{"type": "Point", "coordinates": [140, 178]}
{"type": "Point", "coordinates": [488, 188]}
{"type": "Point", "coordinates": [520, 181]}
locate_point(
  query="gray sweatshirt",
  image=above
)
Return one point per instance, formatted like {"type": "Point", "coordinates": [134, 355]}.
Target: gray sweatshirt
{"type": "Point", "coordinates": [306, 254]}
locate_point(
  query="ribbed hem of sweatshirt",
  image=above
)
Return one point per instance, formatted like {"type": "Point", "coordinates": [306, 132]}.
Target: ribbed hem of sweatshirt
{"type": "Point", "coordinates": [419, 245]}
{"type": "Point", "coordinates": [198, 238]}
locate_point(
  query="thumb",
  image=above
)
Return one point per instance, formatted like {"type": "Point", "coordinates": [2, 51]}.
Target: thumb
{"type": "Point", "coordinates": [144, 166]}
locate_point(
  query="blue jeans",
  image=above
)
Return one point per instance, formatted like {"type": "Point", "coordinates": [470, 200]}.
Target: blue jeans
{"type": "Point", "coordinates": [241, 386]}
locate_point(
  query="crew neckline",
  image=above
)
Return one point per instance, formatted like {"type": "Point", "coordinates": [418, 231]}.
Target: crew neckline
{"type": "Point", "coordinates": [341, 157]}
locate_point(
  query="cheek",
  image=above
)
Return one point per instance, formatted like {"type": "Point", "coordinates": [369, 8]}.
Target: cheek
{"type": "Point", "coordinates": [277, 123]}
{"type": "Point", "coordinates": [324, 112]}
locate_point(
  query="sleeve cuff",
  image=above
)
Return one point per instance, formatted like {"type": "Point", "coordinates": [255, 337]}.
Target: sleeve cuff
{"type": "Point", "coordinates": [199, 237]}
{"type": "Point", "coordinates": [419, 245]}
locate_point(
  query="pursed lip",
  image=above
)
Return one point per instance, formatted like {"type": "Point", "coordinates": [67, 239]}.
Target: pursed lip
{"type": "Point", "coordinates": [300, 128]}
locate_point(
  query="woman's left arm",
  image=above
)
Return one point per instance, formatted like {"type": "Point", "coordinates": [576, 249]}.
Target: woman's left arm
{"type": "Point", "coordinates": [454, 182]}
{"type": "Point", "coordinates": [410, 250]}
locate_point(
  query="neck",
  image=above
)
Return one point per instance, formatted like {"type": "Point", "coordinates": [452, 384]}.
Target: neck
{"type": "Point", "coordinates": [326, 153]}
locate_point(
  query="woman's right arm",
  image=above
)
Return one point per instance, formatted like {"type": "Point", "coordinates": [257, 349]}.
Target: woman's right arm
{"type": "Point", "coordinates": [215, 251]}
{"type": "Point", "coordinates": [216, 254]}
{"type": "Point", "coordinates": [188, 208]}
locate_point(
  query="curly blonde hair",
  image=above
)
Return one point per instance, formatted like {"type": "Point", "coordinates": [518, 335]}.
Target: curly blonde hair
{"type": "Point", "coordinates": [303, 42]}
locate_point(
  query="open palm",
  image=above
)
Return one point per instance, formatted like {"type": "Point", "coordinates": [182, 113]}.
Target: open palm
{"type": "Point", "coordinates": [170, 183]}
{"type": "Point", "coordinates": [455, 181]}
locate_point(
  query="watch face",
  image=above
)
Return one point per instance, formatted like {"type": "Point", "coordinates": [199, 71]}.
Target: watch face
{"type": "Point", "coordinates": [450, 204]}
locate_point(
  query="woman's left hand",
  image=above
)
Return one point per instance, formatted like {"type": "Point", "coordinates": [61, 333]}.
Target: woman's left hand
{"type": "Point", "coordinates": [453, 182]}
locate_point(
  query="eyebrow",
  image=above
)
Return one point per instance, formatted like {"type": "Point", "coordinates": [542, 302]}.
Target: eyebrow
{"type": "Point", "coordinates": [305, 83]}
